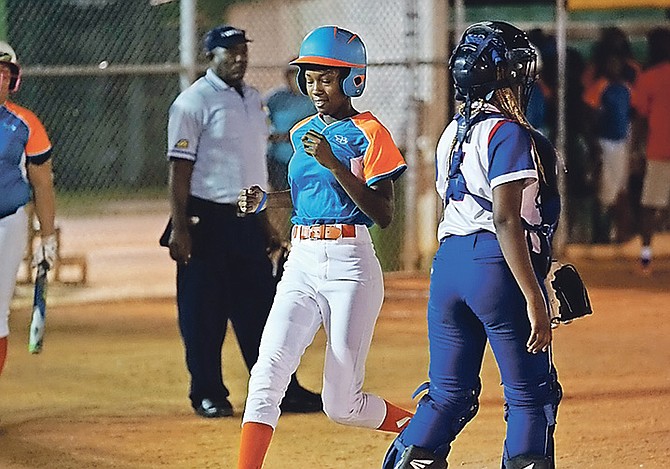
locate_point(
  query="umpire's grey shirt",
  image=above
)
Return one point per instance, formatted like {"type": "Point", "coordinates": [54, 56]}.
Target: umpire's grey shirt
{"type": "Point", "coordinates": [224, 134]}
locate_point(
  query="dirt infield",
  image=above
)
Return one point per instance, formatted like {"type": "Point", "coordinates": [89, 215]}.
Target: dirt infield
{"type": "Point", "coordinates": [109, 389]}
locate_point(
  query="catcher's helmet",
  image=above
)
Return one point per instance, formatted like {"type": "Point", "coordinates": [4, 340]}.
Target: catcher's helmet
{"type": "Point", "coordinates": [332, 46]}
{"type": "Point", "coordinates": [492, 55]}
{"type": "Point", "coordinates": [8, 57]}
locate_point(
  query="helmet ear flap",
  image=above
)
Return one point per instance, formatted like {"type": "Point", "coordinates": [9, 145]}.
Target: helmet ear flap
{"type": "Point", "coordinates": [301, 80]}
{"type": "Point", "coordinates": [354, 82]}
{"type": "Point", "coordinates": [15, 78]}
{"type": "Point", "coordinates": [15, 82]}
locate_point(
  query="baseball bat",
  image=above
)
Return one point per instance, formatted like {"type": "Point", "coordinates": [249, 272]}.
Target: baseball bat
{"type": "Point", "coordinates": [39, 309]}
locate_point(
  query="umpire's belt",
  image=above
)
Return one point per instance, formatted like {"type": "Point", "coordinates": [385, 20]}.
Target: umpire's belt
{"type": "Point", "coordinates": [323, 231]}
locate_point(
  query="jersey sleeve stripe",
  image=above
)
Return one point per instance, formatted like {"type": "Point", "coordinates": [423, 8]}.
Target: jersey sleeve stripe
{"type": "Point", "coordinates": [181, 155]}
{"type": "Point", "coordinates": [495, 129]}
{"type": "Point", "coordinates": [395, 174]}
{"type": "Point", "coordinates": [516, 176]}
{"type": "Point", "coordinates": [41, 158]}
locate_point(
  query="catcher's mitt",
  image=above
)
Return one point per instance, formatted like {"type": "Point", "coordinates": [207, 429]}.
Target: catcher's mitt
{"type": "Point", "coordinates": [568, 297]}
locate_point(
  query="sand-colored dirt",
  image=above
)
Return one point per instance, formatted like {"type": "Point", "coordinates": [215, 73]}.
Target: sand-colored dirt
{"type": "Point", "coordinates": [109, 390]}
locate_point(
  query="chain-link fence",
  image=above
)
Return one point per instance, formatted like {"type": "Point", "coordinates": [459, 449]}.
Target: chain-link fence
{"type": "Point", "coordinates": [88, 75]}
{"type": "Point", "coordinates": [101, 74]}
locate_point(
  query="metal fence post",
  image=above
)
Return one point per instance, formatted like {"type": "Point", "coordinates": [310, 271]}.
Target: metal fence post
{"type": "Point", "coordinates": [187, 40]}
{"type": "Point", "coordinates": [410, 248]}
{"type": "Point", "coordinates": [561, 239]}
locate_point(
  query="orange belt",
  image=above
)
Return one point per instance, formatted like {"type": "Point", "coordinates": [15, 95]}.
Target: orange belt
{"type": "Point", "coordinates": [323, 231]}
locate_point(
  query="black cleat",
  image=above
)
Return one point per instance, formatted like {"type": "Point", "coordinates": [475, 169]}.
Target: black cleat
{"type": "Point", "coordinates": [213, 410]}
{"type": "Point", "coordinates": [299, 400]}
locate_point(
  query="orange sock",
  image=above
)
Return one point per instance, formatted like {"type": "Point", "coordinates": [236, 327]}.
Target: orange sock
{"type": "Point", "coordinates": [396, 418]}
{"type": "Point", "coordinates": [3, 352]}
{"type": "Point", "coordinates": [254, 445]}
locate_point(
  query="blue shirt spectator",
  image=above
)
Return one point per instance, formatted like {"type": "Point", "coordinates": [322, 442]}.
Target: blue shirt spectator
{"type": "Point", "coordinates": [286, 107]}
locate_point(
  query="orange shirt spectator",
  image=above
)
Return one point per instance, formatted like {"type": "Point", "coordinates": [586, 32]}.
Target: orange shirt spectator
{"type": "Point", "coordinates": [651, 100]}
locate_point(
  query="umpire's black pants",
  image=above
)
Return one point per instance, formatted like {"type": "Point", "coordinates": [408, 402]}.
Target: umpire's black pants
{"type": "Point", "coordinates": [229, 277]}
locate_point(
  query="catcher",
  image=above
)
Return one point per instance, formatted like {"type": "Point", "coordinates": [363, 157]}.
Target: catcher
{"type": "Point", "coordinates": [496, 176]}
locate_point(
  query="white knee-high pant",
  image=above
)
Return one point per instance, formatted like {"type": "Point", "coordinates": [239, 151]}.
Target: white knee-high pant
{"type": "Point", "coordinates": [337, 284]}
{"type": "Point", "coordinates": [13, 240]}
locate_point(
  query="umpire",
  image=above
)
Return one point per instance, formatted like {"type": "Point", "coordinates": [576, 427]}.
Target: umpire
{"type": "Point", "coordinates": [217, 137]}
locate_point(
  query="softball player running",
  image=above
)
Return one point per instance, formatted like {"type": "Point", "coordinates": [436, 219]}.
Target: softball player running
{"type": "Point", "coordinates": [496, 176]}
{"type": "Point", "coordinates": [341, 182]}
{"type": "Point", "coordinates": [25, 159]}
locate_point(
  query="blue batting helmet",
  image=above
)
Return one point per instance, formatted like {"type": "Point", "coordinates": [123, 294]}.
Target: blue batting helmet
{"type": "Point", "coordinates": [492, 55]}
{"type": "Point", "coordinates": [332, 46]}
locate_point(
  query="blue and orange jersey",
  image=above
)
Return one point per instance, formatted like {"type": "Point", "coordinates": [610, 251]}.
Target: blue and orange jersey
{"type": "Point", "coordinates": [23, 139]}
{"type": "Point", "coordinates": [362, 144]}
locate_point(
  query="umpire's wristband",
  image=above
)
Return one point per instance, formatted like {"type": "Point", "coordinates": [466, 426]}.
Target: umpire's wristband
{"type": "Point", "coordinates": [263, 203]}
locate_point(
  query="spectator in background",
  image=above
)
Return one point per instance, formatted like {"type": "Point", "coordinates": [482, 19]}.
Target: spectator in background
{"type": "Point", "coordinates": [651, 101]}
{"type": "Point", "coordinates": [613, 219]}
{"type": "Point", "coordinates": [609, 98]}
{"type": "Point", "coordinates": [286, 106]}
{"type": "Point", "coordinates": [25, 159]}
{"type": "Point", "coordinates": [612, 40]}
{"type": "Point", "coordinates": [581, 156]}
{"type": "Point", "coordinates": [540, 94]}
{"type": "Point", "coordinates": [217, 137]}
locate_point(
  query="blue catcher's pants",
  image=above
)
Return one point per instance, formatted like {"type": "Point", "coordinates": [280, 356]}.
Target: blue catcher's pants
{"type": "Point", "coordinates": [474, 298]}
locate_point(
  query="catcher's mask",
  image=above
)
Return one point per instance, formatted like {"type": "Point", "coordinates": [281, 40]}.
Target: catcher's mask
{"type": "Point", "coordinates": [8, 58]}
{"type": "Point", "coordinates": [332, 46]}
{"type": "Point", "coordinates": [492, 55]}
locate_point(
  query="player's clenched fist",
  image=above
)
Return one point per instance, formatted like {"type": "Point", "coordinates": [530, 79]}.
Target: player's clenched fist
{"type": "Point", "coordinates": [318, 147]}
{"type": "Point", "coordinates": [252, 199]}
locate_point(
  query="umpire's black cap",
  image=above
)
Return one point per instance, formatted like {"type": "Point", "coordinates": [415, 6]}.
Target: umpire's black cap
{"type": "Point", "coordinates": [224, 36]}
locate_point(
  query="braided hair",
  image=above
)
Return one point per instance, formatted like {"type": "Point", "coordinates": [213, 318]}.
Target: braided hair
{"type": "Point", "coordinates": [508, 103]}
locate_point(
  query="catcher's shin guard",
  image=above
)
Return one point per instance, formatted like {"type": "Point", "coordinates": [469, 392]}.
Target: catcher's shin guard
{"type": "Point", "coordinates": [393, 453]}
{"type": "Point", "coordinates": [418, 458]}
{"type": "Point", "coordinates": [401, 456]}
{"type": "Point", "coordinates": [529, 461]}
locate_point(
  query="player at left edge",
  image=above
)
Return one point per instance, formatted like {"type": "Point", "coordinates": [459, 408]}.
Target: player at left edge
{"type": "Point", "coordinates": [25, 150]}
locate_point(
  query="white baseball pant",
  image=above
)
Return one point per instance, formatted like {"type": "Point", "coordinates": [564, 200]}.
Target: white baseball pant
{"type": "Point", "coordinates": [13, 240]}
{"type": "Point", "coordinates": [615, 169]}
{"type": "Point", "coordinates": [338, 284]}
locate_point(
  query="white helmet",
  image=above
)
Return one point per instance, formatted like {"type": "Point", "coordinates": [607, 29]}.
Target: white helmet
{"type": "Point", "coordinates": [8, 57]}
